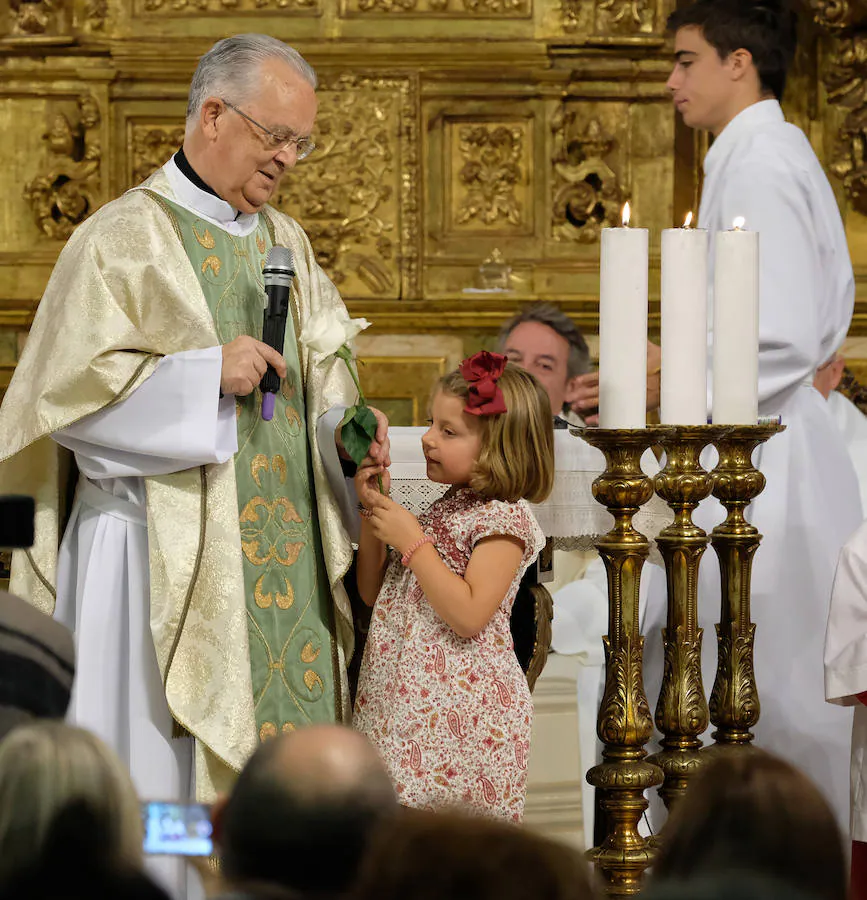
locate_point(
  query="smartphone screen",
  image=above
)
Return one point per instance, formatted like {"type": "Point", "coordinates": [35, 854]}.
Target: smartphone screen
{"type": "Point", "coordinates": [177, 829]}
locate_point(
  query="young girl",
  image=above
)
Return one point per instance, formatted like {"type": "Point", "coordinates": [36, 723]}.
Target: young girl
{"type": "Point", "coordinates": [441, 693]}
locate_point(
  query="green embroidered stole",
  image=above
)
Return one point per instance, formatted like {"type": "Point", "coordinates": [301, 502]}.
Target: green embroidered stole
{"type": "Point", "coordinates": [289, 605]}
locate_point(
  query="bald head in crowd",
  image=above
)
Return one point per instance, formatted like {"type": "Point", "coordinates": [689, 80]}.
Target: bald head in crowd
{"type": "Point", "coordinates": [302, 810]}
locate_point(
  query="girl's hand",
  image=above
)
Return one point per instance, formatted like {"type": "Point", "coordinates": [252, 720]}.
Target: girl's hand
{"type": "Point", "coordinates": [393, 524]}
{"type": "Point", "coordinates": [367, 482]}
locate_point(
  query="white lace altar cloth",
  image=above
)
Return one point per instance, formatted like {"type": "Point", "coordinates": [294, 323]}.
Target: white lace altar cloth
{"type": "Point", "coordinates": [570, 516]}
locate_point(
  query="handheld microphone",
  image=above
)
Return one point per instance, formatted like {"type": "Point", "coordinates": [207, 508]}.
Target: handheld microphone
{"type": "Point", "coordinates": [279, 272]}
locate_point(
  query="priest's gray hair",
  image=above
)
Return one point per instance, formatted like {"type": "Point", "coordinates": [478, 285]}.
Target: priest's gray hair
{"type": "Point", "coordinates": [230, 69]}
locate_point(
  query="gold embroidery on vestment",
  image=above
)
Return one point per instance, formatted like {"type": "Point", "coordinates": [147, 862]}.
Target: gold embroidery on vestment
{"type": "Point", "coordinates": [312, 680]}
{"type": "Point", "coordinates": [206, 239]}
{"type": "Point", "coordinates": [309, 653]}
{"type": "Point", "coordinates": [213, 263]}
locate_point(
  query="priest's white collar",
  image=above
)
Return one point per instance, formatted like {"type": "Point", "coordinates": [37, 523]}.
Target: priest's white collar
{"type": "Point", "coordinates": [208, 206]}
{"type": "Point", "coordinates": [765, 112]}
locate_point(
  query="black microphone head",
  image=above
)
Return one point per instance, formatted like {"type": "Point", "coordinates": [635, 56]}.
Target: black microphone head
{"type": "Point", "coordinates": [280, 259]}
{"type": "Point", "coordinates": [17, 519]}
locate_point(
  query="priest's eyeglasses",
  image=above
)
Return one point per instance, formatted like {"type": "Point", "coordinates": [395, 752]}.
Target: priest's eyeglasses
{"type": "Point", "coordinates": [277, 142]}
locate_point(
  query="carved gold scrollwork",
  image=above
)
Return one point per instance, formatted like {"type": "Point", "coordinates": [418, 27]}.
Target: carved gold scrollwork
{"type": "Point", "coordinates": [477, 8]}
{"type": "Point", "coordinates": [152, 145]}
{"type": "Point", "coordinates": [845, 81]}
{"type": "Point", "coordinates": [39, 19]}
{"type": "Point", "coordinates": [834, 15]}
{"type": "Point", "coordinates": [66, 190]}
{"type": "Point", "coordinates": [682, 708]}
{"type": "Point", "coordinates": [356, 195]}
{"type": "Point", "coordinates": [492, 167]}
{"type": "Point", "coordinates": [844, 78]}
{"type": "Point", "coordinates": [734, 700]}
{"type": "Point", "coordinates": [587, 193]}
{"type": "Point", "coordinates": [95, 14]}
{"type": "Point", "coordinates": [624, 717]}
{"type": "Point", "coordinates": [624, 16]}
{"type": "Point", "coordinates": [192, 7]}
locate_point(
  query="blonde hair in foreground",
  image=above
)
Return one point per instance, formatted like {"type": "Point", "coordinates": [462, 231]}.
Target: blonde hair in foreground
{"type": "Point", "coordinates": [44, 767]}
{"type": "Point", "coordinates": [517, 454]}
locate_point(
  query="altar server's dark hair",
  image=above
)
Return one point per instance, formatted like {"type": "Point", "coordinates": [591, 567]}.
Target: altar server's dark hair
{"type": "Point", "coordinates": [766, 28]}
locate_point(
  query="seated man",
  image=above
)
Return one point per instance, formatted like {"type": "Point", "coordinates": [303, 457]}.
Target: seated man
{"type": "Point", "coordinates": [546, 342]}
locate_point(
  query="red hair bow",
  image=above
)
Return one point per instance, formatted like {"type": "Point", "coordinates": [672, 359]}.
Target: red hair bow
{"type": "Point", "coordinates": [481, 372]}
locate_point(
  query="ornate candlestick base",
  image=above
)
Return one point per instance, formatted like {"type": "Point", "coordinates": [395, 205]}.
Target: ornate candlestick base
{"type": "Point", "coordinates": [682, 712]}
{"type": "Point", "coordinates": [624, 725]}
{"type": "Point", "coordinates": [734, 701]}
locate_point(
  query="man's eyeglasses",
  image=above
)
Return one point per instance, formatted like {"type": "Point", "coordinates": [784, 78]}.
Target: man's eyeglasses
{"type": "Point", "coordinates": [277, 142]}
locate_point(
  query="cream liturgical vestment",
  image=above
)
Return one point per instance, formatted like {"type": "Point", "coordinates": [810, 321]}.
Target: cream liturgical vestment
{"type": "Point", "coordinates": [853, 426]}
{"type": "Point", "coordinates": [846, 662]}
{"type": "Point", "coordinates": [764, 169]}
{"type": "Point", "coordinates": [122, 368]}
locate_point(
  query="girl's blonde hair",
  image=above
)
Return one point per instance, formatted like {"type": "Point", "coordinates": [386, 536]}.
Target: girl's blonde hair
{"type": "Point", "coordinates": [517, 454]}
{"type": "Point", "coordinates": [46, 766]}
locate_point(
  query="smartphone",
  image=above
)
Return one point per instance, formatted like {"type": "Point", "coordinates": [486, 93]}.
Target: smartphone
{"type": "Point", "coordinates": [177, 829]}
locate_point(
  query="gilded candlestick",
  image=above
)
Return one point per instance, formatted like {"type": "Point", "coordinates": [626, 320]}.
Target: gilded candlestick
{"type": "Point", "coordinates": [624, 724]}
{"type": "Point", "coordinates": [734, 701]}
{"type": "Point", "coordinates": [682, 711]}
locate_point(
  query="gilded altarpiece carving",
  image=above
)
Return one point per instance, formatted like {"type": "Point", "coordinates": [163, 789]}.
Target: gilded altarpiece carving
{"type": "Point", "coordinates": [450, 132]}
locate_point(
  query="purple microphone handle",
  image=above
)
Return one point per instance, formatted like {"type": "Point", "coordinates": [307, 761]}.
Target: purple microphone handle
{"type": "Point", "coordinates": [268, 399]}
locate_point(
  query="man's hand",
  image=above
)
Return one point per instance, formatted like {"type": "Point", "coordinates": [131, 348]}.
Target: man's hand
{"type": "Point", "coordinates": [245, 361]}
{"type": "Point", "coordinates": [586, 402]}
{"type": "Point", "coordinates": [379, 453]}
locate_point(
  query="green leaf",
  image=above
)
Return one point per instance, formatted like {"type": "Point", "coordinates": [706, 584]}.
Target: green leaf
{"type": "Point", "coordinates": [358, 432]}
{"type": "Point", "coordinates": [347, 417]}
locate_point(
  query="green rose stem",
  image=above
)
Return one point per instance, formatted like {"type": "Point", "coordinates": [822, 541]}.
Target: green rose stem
{"type": "Point", "coordinates": [346, 355]}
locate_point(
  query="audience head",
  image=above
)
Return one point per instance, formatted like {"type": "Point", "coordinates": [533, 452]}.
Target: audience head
{"type": "Point", "coordinates": [250, 113]}
{"type": "Point", "coordinates": [315, 795]}
{"type": "Point", "coordinates": [37, 662]}
{"type": "Point", "coordinates": [432, 856]}
{"type": "Point", "coordinates": [546, 342]}
{"type": "Point", "coordinates": [752, 811]}
{"type": "Point", "coordinates": [44, 767]}
{"type": "Point", "coordinates": [724, 886]}
{"type": "Point", "coordinates": [72, 864]}
{"type": "Point", "coordinates": [515, 448]}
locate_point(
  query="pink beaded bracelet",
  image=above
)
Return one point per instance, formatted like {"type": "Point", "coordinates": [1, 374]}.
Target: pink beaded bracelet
{"type": "Point", "coordinates": [427, 539]}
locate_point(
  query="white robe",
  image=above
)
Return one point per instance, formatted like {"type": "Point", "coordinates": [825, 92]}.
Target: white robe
{"type": "Point", "coordinates": [853, 426]}
{"type": "Point", "coordinates": [175, 420]}
{"type": "Point", "coordinates": [764, 169]}
{"type": "Point", "coordinates": [846, 662]}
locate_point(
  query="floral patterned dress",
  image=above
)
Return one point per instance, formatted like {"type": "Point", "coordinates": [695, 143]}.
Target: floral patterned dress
{"type": "Point", "coordinates": [451, 716]}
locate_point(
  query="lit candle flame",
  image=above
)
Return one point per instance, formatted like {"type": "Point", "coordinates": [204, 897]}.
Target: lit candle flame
{"type": "Point", "coordinates": [688, 220]}
{"type": "Point", "coordinates": [739, 223]}
{"type": "Point", "coordinates": [626, 214]}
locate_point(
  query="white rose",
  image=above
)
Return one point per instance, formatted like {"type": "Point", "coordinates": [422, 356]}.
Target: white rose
{"type": "Point", "coordinates": [327, 331]}
{"type": "Point", "coordinates": [353, 327]}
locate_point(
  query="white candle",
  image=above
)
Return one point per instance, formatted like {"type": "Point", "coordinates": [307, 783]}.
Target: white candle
{"type": "Point", "coordinates": [623, 327]}
{"type": "Point", "coordinates": [736, 327]}
{"type": "Point", "coordinates": [683, 378]}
